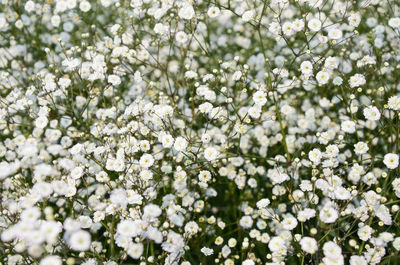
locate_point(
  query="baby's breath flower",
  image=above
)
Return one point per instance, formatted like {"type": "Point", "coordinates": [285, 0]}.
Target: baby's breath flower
{"type": "Point", "coordinates": [188, 132]}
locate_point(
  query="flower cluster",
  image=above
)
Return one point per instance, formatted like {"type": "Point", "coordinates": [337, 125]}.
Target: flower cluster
{"type": "Point", "coordinates": [183, 132]}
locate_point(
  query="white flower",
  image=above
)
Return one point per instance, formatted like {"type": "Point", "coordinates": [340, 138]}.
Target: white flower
{"type": "Point", "coordinates": [309, 244]}
{"type": "Point", "coordinates": [306, 68]}
{"type": "Point", "coordinates": [254, 112]}
{"type": "Point", "coordinates": [76, 173]}
{"type": "Point", "coordinates": [263, 203]}
{"type": "Point", "coordinates": [394, 103]}
{"type": "Point", "coordinates": [314, 24]}
{"type": "Point", "coordinates": [288, 29]}
{"type": "Point", "coordinates": [364, 233]}
{"type": "Point", "coordinates": [248, 15]}
{"type": "Point", "coordinates": [237, 75]}
{"type": "Point", "coordinates": [382, 212]}
{"type": "Point", "coordinates": [322, 77]}
{"type": "Point", "coordinates": [128, 228]}
{"type": "Point", "coordinates": [396, 243]}
{"type": "Point", "coordinates": [205, 138]}
{"type": "Point", "coordinates": [332, 150]}
{"type": "Point", "coordinates": [232, 242]}
{"type": "Point", "coordinates": [181, 37]}
{"type": "Point", "coordinates": [335, 34]}
{"type": "Point", "coordinates": [211, 153]}
{"type": "Point", "coordinates": [114, 80]}
{"type": "Point", "coordinates": [29, 6]}
{"type": "Point", "coordinates": [332, 250]}
{"type": "Point", "coordinates": [248, 262]}
{"type": "Point", "coordinates": [154, 234]}
{"type": "Point", "coordinates": [315, 156]}
{"type": "Point", "coordinates": [174, 242]}
{"type": "Point", "coordinates": [276, 244]}
{"type": "Point", "coordinates": [51, 260]}
{"type": "Point", "coordinates": [361, 148]}
{"type": "Point", "coordinates": [42, 189]}
{"type": "Point", "coordinates": [204, 176]}
{"type": "Point", "coordinates": [246, 222]}
{"type": "Point", "coordinates": [80, 240]}
{"type": "Point", "coordinates": [357, 260]}
{"type": "Point", "coordinates": [186, 11]}
{"type": "Point", "coordinates": [151, 210]}
{"type": "Point", "coordinates": [213, 12]}
{"type": "Point", "coordinates": [354, 19]}
{"type": "Point", "coordinates": [328, 215]}
{"type": "Point", "coordinates": [391, 160]}
{"type": "Point", "coordinates": [298, 25]}
{"type": "Point", "coordinates": [331, 62]}
{"type": "Point", "coordinates": [206, 107]}
{"type": "Point", "coordinates": [98, 216]}
{"type": "Point", "coordinates": [161, 29]}
{"type": "Point", "coordinates": [41, 122]}
{"type": "Point", "coordinates": [274, 28]}
{"type": "Point", "coordinates": [342, 193]}
{"type": "Point", "coordinates": [357, 80]}
{"type": "Point", "coordinates": [207, 251]}
{"type": "Point", "coordinates": [30, 214]}
{"type": "Point", "coordinates": [76, 149]}
{"type": "Point", "coordinates": [146, 160]}
{"type": "Point", "coordinates": [337, 81]}
{"type": "Point", "coordinates": [260, 98]}
{"type": "Point", "coordinates": [85, 221]}
{"type": "Point", "coordinates": [167, 140]}
{"type": "Point", "coordinates": [135, 250]}
{"type": "Point", "coordinates": [394, 22]}
{"type": "Point", "coordinates": [85, 6]}
{"type": "Point", "coordinates": [70, 64]}
{"type": "Point", "coordinates": [339, 260]}
{"type": "Point", "coordinates": [180, 144]}
{"type": "Point", "coordinates": [289, 223]}
{"type": "Point", "coordinates": [348, 126]}
{"type": "Point", "coordinates": [64, 82]}
{"type": "Point", "coordinates": [191, 228]}
{"type": "Point", "coordinates": [372, 113]}
{"type": "Point", "coordinates": [277, 176]}
{"type": "Point", "coordinates": [55, 20]}
{"type": "Point", "coordinates": [315, 3]}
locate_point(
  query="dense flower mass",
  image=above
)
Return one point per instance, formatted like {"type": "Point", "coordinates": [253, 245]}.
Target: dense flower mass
{"type": "Point", "coordinates": [183, 132]}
